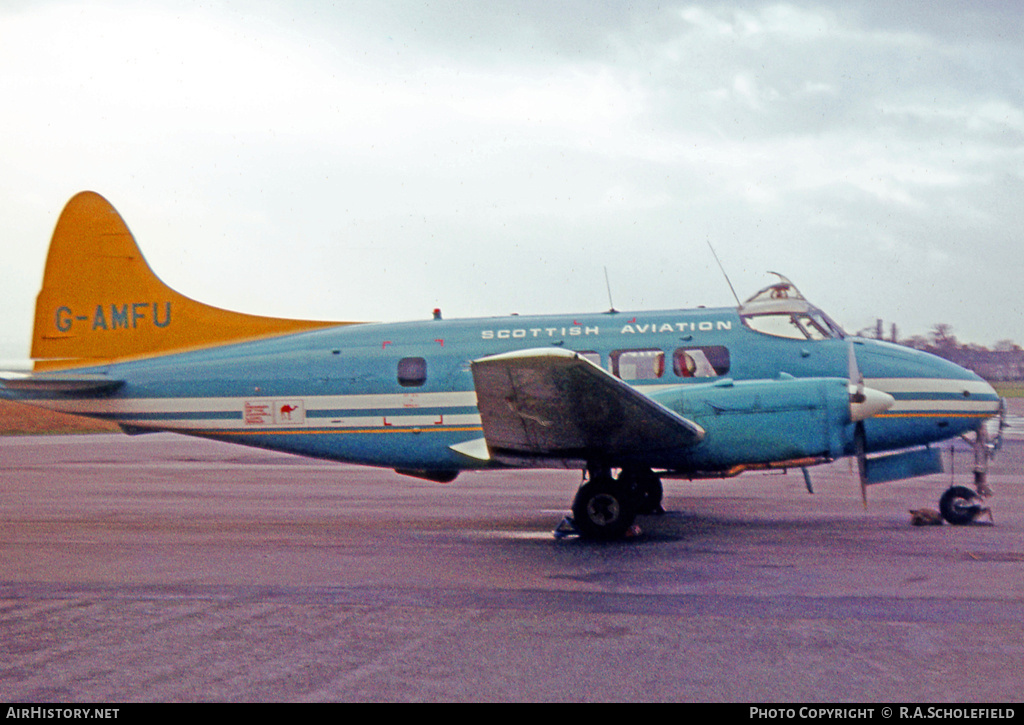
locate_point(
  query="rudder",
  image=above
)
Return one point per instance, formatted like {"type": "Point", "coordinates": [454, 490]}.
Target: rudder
{"type": "Point", "coordinates": [101, 302]}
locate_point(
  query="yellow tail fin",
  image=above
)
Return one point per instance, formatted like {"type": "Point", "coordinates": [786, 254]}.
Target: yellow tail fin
{"type": "Point", "coordinates": [101, 302]}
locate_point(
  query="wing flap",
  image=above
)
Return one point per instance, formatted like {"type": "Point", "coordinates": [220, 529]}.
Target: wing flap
{"type": "Point", "coordinates": [554, 404]}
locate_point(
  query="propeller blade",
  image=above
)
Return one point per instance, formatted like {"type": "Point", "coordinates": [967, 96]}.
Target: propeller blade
{"type": "Point", "coordinates": [854, 374]}
{"type": "Point", "coordinates": [860, 446]}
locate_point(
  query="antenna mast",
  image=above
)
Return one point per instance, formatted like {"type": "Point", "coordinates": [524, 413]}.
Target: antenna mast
{"type": "Point", "coordinates": [608, 285]}
{"type": "Point", "coordinates": [735, 296]}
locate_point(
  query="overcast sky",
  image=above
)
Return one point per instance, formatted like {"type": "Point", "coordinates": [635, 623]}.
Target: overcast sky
{"type": "Point", "coordinates": [374, 160]}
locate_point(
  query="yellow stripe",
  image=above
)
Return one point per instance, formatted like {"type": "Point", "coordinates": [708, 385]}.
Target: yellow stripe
{"type": "Point", "coordinates": [934, 415]}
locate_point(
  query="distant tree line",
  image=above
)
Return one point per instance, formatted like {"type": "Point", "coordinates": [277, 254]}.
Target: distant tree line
{"type": "Point", "coordinates": [1003, 361]}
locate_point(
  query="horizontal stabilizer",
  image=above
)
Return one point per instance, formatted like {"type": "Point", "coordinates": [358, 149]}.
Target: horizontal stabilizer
{"type": "Point", "coordinates": [59, 383]}
{"type": "Point", "coordinates": [554, 404]}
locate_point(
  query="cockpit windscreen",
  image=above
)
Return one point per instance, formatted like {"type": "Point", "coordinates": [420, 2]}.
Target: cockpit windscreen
{"type": "Point", "coordinates": [781, 310]}
{"type": "Point", "coordinates": [798, 326]}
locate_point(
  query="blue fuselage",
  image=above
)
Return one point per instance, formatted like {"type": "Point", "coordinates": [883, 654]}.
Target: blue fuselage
{"type": "Point", "coordinates": [400, 395]}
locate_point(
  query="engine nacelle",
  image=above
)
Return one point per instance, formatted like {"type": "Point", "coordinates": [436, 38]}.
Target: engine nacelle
{"type": "Point", "coordinates": [765, 421]}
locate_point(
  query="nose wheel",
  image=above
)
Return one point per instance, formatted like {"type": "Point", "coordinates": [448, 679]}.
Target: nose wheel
{"type": "Point", "coordinates": [959, 505]}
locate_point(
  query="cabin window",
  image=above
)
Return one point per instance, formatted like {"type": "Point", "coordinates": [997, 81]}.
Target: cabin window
{"type": "Point", "coordinates": [646, 364]}
{"type": "Point", "coordinates": [594, 357]}
{"type": "Point", "coordinates": [701, 362]}
{"type": "Point", "coordinates": [412, 372]}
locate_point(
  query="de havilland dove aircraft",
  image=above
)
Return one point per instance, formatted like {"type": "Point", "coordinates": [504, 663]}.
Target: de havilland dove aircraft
{"type": "Point", "coordinates": [630, 398]}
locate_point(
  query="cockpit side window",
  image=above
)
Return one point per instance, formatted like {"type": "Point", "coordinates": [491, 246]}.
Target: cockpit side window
{"type": "Point", "coordinates": [796, 326]}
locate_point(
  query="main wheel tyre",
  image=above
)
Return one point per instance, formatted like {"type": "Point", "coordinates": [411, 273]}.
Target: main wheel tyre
{"type": "Point", "coordinates": [958, 505]}
{"type": "Point", "coordinates": [647, 490]}
{"type": "Point", "coordinates": [603, 509]}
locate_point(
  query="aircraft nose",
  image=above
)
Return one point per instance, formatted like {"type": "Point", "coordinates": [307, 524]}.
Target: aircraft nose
{"type": "Point", "coordinates": [979, 397]}
{"type": "Point", "coordinates": [867, 402]}
{"type": "Point", "coordinates": [996, 406]}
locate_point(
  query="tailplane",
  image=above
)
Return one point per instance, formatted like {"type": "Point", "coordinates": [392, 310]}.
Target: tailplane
{"type": "Point", "coordinates": [100, 301]}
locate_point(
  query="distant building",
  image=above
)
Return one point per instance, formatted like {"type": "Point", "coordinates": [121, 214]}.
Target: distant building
{"type": "Point", "coordinates": [989, 364]}
{"type": "Point", "coordinates": [1004, 363]}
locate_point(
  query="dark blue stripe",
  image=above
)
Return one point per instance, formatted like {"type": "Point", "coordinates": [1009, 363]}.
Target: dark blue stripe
{"type": "Point", "coordinates": [202, 415]}
{"type": "Point", "coordinates": [390, 412]}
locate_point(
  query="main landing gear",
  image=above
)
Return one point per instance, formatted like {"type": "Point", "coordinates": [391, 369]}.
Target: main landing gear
{"type": "Point", "coordinates": [605, 507]}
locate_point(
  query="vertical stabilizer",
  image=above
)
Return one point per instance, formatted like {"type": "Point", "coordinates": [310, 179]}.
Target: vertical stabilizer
{"type": "Point", "coordinates": [101, 302]}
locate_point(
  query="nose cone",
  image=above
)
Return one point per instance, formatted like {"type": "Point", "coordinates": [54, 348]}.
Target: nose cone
{"type": "Point", "coordinates": [934, 397]}
{"type": "Point", "coordinates": [867, 402]}
{"type": "Point", "coordinates": [989, 395]}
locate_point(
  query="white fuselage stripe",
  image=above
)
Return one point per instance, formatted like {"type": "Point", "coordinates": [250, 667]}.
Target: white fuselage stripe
{"type": "Point", "coordinates": [426, 410]}
{"type": "Point", "coordinates": [929, 385]}
{"type": "Point", "coordinates": [952, 406]}
{"type": "Point", "coordinates": [397, 402]}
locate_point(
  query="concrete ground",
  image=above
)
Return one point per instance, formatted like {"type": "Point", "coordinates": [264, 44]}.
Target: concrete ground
{"type": "Point", "coordinates": [162, 568]}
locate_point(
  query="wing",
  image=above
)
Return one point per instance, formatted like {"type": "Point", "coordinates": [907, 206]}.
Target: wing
{"type": "Point", "coordinates": [554, 404]}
